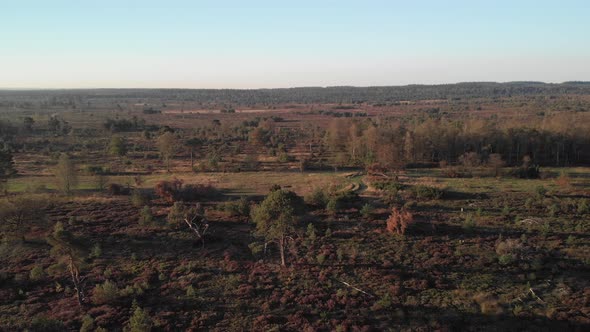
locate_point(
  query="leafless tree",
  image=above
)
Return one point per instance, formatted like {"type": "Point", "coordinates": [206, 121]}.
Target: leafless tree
{"type": "Point", "coordinates": [197, 223]}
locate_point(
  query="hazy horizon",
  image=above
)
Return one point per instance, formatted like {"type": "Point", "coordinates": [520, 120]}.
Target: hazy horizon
{"type": "Point", "coordinates": [262, 44]}
{"type": "Point", "coordinates": [271, 88]}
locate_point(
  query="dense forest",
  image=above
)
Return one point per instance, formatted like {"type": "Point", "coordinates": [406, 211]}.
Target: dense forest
{"type": "Point", "coordinates": [343, 94]}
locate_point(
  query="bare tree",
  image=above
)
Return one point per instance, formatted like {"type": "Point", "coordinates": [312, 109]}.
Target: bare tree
{"type": "Point", "coordinates": [198, 223]}
{"type": "Point", "coordinates": [193, 217]}
{"type": "Point", "coordinates": [70, 252]}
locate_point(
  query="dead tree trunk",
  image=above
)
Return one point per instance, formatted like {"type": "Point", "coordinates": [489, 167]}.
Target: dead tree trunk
{"type": "Point", "coordinates": [199, 225]}
{"type": "Point", "coordinates": [75, 273]}
{"type": "Point", "coordinates": [282, 250]}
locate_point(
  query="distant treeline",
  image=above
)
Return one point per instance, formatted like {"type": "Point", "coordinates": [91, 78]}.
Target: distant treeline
{"type": "Point", "coordinates": [304, 95]}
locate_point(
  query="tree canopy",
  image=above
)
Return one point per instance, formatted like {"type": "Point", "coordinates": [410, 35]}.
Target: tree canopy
{"type": "Point", "coordinates": [277, 216]}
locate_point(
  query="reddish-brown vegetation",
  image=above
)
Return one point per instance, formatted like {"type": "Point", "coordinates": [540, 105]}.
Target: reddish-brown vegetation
{"type": "Point", "coordinates": [399, 221]}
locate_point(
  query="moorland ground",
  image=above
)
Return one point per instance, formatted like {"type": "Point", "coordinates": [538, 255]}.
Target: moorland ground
{"type": "Point", "coordinates": [448, 210]}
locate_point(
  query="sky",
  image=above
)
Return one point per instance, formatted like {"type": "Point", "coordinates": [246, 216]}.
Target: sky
{"type": "Point", "coordinates": [275, 44]}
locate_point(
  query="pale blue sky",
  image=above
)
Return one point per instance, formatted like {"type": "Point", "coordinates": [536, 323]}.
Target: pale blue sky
{"type": "Point", "coordinates": [251, 44]}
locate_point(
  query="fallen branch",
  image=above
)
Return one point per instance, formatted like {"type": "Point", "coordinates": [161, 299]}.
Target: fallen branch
{"type": "Point", "coordinates": [535, 295]}
{"type": "Point", "coordinates": [353, 287]}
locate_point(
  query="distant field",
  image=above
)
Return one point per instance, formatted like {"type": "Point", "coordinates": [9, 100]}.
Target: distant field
{"type": "Point", "coordinates": [244, 183]}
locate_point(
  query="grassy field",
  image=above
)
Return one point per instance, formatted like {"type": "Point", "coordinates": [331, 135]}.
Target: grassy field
{"type": "Point", "coordinates": [244, 183]}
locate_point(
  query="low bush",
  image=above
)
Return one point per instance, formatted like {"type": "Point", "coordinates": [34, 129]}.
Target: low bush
{"type": "Point", "coordinates": [146, 217]}
{"type": "Point", "coordinates": [105, 293]}
{"type": "Point", "coordinates": [399, 220]}
{"type": "Point", "coordinates": [237, 208]}
{"type": "Point", "coordinates": [426, 192]}
{"type": "Point", "coordinates": [340, 200]}
{"type": "Point", "coordinates": [583, 207]}
{"type": "Point", "coordinates": [95, 170]}
{"type": "Point", "coordinates": [37, 273]}
{"type": "Point", "coordinates": [116, 189]}
{"type": "Point", "coordinates": [87, 324]}
{"type": "Point", "coordinates": [317, 198]}
{"type": "Point", "coordinates": [367, 210]}
{"type": "Point", "coordinates": [468, 223]}
{"type": "Point", "coordinates": [174, 190]}
{"type": "Point", "coordinates": [193, 192]}
{"type": "Point", "coordinates": [140, 321]}
{"type": "Point", "coordinates": [388, 185]}
{"type": "Point", "coordinates": [138, 198]}
{"type": "Point", "coordinates": [168, 190]}
{"type": "Point", "coordinates": [46, 324]}
{"type": "Point", "coordinates": [526, 172]}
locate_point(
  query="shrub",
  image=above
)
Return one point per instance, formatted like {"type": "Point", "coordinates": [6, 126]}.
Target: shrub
{"type": "Point", "coordinates": [321, 258]}
{"type": "Point", "coordinates": [256, 248]}
{"type": "Point", "coordinates": [87, 324]}
{"type": "Point", "coordinates": [553, 209]}
{"type": "Point", "coordinates": [104, 293]}
{"type": "Point", "coordinates": [506, 259]}
{"type": "Point", "coordinates": [563, 180]}
{"type": "Point", "coordinates": [506, 210]}
{"type": "Point", "coordinates": [367, 210]}
{"type": "Point", "coordinates": [96, 251]}
{"type": "Point", "coordinates": [193, 192]}
{"type": "Point", "coordinates": [509, 250]}
{"type": "Point", "coordinates": [478, 212]}
{"type": "Point", "coordinates": [116, 189]}
{"type": "Point", "coordinates": [383, 303]}
{"type": "Point", "coordinates": [468, 223]}
{"type": "Point", "coordinates": [583, 206]}
{"type": "Point", "coordinates": [340, 254]}
{"type": "Point", "coordinates": [393, 186]}
{"type": "Point", "coordinates": [37, 273]}
{"type": "Point", "coordinates": [399, 220]}
{"type": "Point", "coordinates": [94, 170]}
{"type": "Point", "coordinates": [541, 191]}
{"type": "Point", "coordinates": [317, 198]}
{"type": "Point", "coordinates": [172, 191]}
{"type": "Point", "coordinates": [138, 199]}
{"type": "Point", "coordinates": [46, 324]}
{"type": "Point", "coordinates": [311, 232]}
{"type": "Point", "coordinates": [140, 321]}
{"type": "Point", "coordinates": [508, 246]}
{"type": "Point", "coordinates": [527, 170]}
{"type": "Point", "coordinates": [238, 208]}
{"type": "Point", "coordinates": [570, 240]}
{"type": "Point", "coordinates": [333, 205]}
{"type": "Point", "coordinates": [146, 217]}
{"type": "Point", "coordinates": [426, 192]}
{"type": "Point", "coordinates": [339, 200]}
{"type": "Point", "coordinates": [528, 204]}
{"type": "Point", "coordinates": [190, 291]}
{"type": "Point", "coordinates": [177, 213]}
{"type": "Point", "coordinates": [168, 190]}
{"type": "Point", "coordinates": [545, 229]}
{"type": "Point", "coordinates": [72, 221]}
{"type": "Point", "coordinates": [284, 158]}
